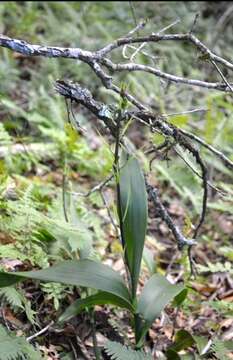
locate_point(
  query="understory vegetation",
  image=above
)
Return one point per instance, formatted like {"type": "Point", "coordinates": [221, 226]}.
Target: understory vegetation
{"type": "Point", "coordinates": [72, 204]}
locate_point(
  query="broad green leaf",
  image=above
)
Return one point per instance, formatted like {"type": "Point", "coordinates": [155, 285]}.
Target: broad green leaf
{"type": "Point", "coordinates": [101, 298]}
{"type": "Point", "coordinates": [156, 294]}
{"type": "Point", "coordinates": [183, 340]}
{"type": "Point", "coordinates": [85, 272]}
{"type": "Point", "coordinates": [133, 198]}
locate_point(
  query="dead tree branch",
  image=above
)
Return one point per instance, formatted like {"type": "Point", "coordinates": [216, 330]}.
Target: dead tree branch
{"type": "Point", "coordinates": [104, 68]}
{"type": "Point", "coordinates": [97, 59]}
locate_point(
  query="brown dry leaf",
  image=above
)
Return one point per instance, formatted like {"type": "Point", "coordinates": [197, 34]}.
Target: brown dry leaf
{"type": "Point", "coordinates": [227, 296]}
{"type": "Point", "coordinates": [225, 224]}
{"type": "Point", "coordinates": [10, 317]}
{"type": "Point", "coordinates": [6, 238]}
{"type": "Point", "coordinates": [203, 289]}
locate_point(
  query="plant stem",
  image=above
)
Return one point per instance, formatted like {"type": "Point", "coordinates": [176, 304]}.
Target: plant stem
{"type": "Point", "coordinates": [64, 189]}
{"type": "Point", "coordinates": [137, 328]}
{"type": "Point", "coordinates": [116, 170]}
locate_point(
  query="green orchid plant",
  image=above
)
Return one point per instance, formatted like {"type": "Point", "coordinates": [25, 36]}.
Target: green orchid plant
{"type": "Point", "coordinates": [111, 287]}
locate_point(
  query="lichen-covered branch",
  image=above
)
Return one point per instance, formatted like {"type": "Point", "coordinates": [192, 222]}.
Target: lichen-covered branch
{"type": "Point", "coordinates": [163, 214]}
{"type": "Point", "coordinates": [98, 60]}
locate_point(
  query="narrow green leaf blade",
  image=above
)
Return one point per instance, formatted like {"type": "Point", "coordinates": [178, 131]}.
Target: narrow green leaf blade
{"type": "Point", "coordinates": [133, 197]}
{"type": "Point", "coordinates": [180, 298]}
{"type": "Point", "coordinates": [85, 272]}
{"type": "Point", "coordinates": [156, 294]}
{"type": "Point", "coordinates": [101, 298]}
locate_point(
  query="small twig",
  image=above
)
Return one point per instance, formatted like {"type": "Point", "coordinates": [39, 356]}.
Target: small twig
{"type": "Point", "coordinates": [109, 214]}
{"type": "Point", "coordinates": [98, 187]}
{"type": "Point", "coordinates": [227, 162]}
{"type": "Point", "coordinates": [162, 212]}
{"type": "Point", "coordinates": [197, 173]}
{"type": "Point", "coordinates": [150, 56]}
{"type": "Point", "coordinates": [132, 9]}
{"type": "Point", "coordinates": [64, 192]}
{"type": "Point", "coordinates": [185, 112]}
{"type": "Point", "coordinates": [167, 27]}
{"type": "Point", "coordinates": [137, 51]}
{"type": "Point", "coordinates": [132, 67]}
{"type": "Point", "coordinates": [195, 153]}
{"type": "Point", "coordinates": [74, 350]}
{"type": "Point", "coordinates": [75, 122]}
{"type": "Point", "coordinates": [138, 27]}
{"type": "Point", "coordinates": [83, 348]}
{"type": "Point", "coordinates": [192, 264]}
{"type": "Point", "coordinates": [194, 23]}
{"type": "Point", "coordinates": [42, 331]}
{"type": "Point", "coordinates": [221, 74]}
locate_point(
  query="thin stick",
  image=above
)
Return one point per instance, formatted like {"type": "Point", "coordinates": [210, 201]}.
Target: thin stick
{"type": "Point", "coordinates": [42, 331]}
{"type": "Point", "coordinates": [110, 215]}
{"type": "Point", "coordinates": [227, 162]}
{"type": "Point", "coordinates": [221, 74]}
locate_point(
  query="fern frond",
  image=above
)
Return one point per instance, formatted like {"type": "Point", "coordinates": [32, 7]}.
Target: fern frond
{"type": "Point", "coordinates": [221, 306]}
{"type": "Point", "coordinates": [5, 138]}
{"type": "Point", "coordinates": [217, 267]}
{"type": "Point", "coordinates": [12, 297]}
{"type": "Point", "coordinates": [220, 350]}
{"type": "Point", "coordinates": [16, 348]}
{"type": "Point", "coordinates": [17, 300]}
{"type": "Point", "coordinates": [118, 351]}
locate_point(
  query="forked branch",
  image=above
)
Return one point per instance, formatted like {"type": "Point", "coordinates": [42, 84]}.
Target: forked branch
{"type": "Point", "coordinates": [105, 69]}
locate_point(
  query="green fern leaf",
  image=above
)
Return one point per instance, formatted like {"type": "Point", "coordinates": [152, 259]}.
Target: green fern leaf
{"type": "Point", "coordinates": [220, 349]}
{"type": "Point", "coordinates": [17, 300]}
{"type": "Point", "coordinates": [16, 348]}
{"type": "Point", "coordinates": [5, 138]}
{"type": "Point", "coordinates": [12, 297]}
{"type": "Point", "coordinates": [118, 351]}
